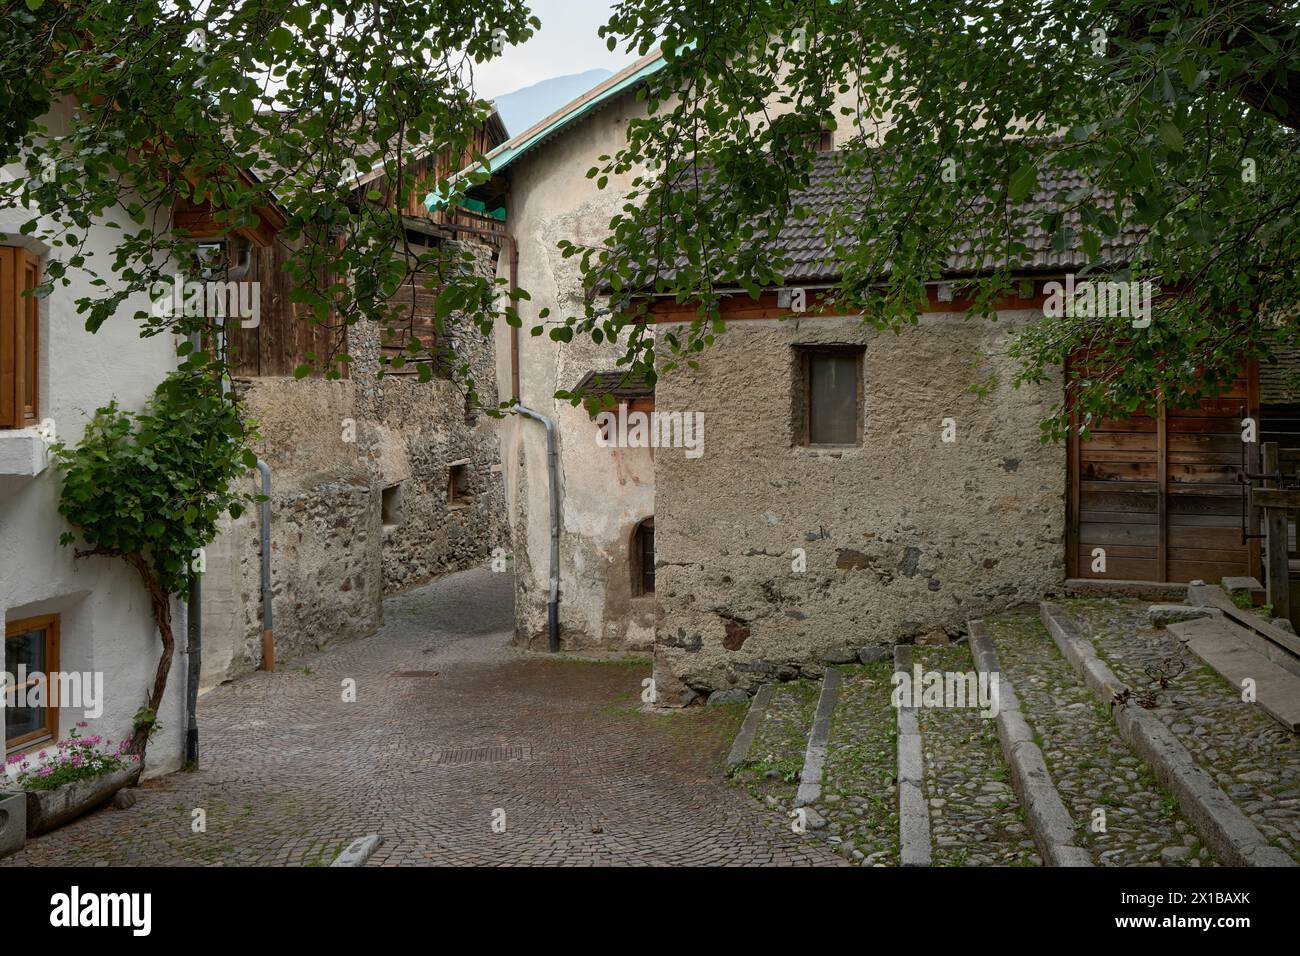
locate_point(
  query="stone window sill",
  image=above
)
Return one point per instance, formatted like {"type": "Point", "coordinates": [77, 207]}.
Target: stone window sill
{"type": "Point", "coordinates": [23, 453]}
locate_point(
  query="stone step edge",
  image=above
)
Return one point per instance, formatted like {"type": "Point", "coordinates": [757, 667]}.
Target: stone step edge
{"type": "Point", "coordinates": [914, 842]}
{"type": "Point", "coordinates": [358, 851]}
{"type": "Point", "coordinates": [1226, 830]}
{"type": "Point", "coordinates": [1221, 645]}
{"type": "Point", "coordinates": [749, 728]}
{"type": "Point", "coordinates": [810, 780]}
{"type": "Point", "coordinates": [1053, 829]}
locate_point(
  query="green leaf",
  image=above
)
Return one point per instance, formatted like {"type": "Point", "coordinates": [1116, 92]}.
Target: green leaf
{"type": "Point", "coordinates": [1023, 182]}
{"type": "Point", "coordinates": [1171, 136]}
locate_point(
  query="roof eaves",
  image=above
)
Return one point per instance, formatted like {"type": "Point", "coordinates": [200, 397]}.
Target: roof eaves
{"type": "Point", "coordinates": [546, 129]}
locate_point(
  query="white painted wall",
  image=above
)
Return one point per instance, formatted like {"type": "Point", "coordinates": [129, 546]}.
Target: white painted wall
{"type": "Point", "coordinates": [106, 622]}
{"type": "Point", "coordinates": [604, 492]}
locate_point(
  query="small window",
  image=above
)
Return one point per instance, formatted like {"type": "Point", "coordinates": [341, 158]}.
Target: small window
{"type": "Point", "coordinates": [31, 656]}
{"type": "Point", "coordinates": [391, 505]}
{"type": "Point", "coordinates": [832, 396]}
{"type": "Point", "coordinates": [643, 558]}
{"type": "Point", "coordinates": [19, 337]}
{"type": "Point", "coordinates": [458, 484]}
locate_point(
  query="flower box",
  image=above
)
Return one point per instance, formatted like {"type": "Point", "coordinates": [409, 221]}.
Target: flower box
{"type": "Point", "coordinates": [48, 809]}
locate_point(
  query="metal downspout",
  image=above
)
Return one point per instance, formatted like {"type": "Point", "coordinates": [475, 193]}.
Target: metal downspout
{"type": "Point", "coordinates": [268, 637]}
{"type": "Point", "coordinates": [553, 479]}
{"type": "Point", "coordinates": [194, 606]}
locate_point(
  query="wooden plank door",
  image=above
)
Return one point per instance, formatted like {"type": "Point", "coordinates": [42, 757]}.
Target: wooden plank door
{"type": "Point", "coordinates": [1158, 492]}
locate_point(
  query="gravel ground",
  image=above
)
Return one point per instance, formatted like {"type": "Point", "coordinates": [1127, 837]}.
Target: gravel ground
{"type": "Point", "coordinates": [1254, 759]}
{"type": "Point", "coordinates": [1093, 769]}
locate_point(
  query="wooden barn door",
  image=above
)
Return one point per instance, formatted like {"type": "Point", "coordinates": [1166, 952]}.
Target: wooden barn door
{"type": "Point", "coordinates": [1158, 492]}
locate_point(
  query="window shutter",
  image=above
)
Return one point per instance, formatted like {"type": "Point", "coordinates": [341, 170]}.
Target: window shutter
{"type": "Point", "coordinates": [19, 323]}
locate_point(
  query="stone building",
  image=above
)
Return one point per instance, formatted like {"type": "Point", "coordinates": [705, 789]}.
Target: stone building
{"type": "Point", "coordinates": [380, 482]}
{"type": "Point", "coordinates": [779, 548]}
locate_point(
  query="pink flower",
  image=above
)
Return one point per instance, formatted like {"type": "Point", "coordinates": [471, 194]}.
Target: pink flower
{"type": "Point", "coordinates": [82, 723]}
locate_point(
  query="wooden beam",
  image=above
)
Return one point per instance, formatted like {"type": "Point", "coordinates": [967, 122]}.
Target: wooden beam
{"type": "Point", "coordinates": [1276, 498]}
{"type": "Point", "coordinates": [1275, 527]}
{"type": "Point", "coordinates": [1162, 492]}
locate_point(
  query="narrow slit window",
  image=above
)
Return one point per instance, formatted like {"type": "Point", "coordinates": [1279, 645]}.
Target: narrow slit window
{"type": "Point", "coordinates": [458, 484]}
{"type": "Point", "coordinates": [391, 506]}
{"type": "Point", "coordinates": [643, 563]}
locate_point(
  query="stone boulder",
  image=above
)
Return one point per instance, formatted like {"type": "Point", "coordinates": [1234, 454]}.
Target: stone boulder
{"type": "Point", "coordinates": [1161, 615]}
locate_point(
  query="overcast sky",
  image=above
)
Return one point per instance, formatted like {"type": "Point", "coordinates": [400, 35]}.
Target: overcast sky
{"type": "Point", "coordinates": [567, 43]}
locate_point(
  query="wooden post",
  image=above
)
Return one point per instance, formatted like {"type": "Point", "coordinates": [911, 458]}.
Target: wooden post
{"type": "Point", "coordinates": [1277, 565]}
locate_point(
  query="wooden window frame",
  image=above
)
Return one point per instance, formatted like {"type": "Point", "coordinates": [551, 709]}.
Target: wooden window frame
{"type": "Point", "coordinates": [49, 731]}
{"type": "Point", "coordinates": [20, 321]}
{"type": "Point", "coordinates": [806, 353]}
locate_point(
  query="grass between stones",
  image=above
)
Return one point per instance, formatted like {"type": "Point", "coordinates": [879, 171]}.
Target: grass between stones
{"type": "Point", "coordinates": [1254, 759]}
{"type": "Point", "coordinates": [1124, 816]}
{"type": "Point", "coordinates": [975, 818]}
{"type": "Point", "coordinates": [771, 774]}
{"type": "Point", "coordinates": [859, 795]}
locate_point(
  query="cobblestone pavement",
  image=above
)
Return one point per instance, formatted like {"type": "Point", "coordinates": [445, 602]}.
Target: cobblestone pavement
{"type": "Point", "coordinates": [451, 729]}
{"type": "Point", "coordinates": [1091, 766]}
{"type": "Point", "coordinates": [1253, 758]}
{"type": "Point", "coordinates": [975, 818]}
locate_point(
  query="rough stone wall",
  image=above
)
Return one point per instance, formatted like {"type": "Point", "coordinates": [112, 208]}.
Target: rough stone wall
{"type": "Point", "coordinates": [325, 536]}
{"type": "Point", "coordinates": [413, 432]}
{"type": "Point", "coordinates": [902, 535]}
{"type": "Point", "coordinates": [333, 447]}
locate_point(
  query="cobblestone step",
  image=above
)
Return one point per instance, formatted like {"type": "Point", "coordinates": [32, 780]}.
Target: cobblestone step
{"type": "Point", "coordinates": [1125, 817]}
{"type": "Point", "coordinates": [810, 778]}
{"type": "Point", "coordinates": [1242, 750]}
{"type": "Point", "coordinates": [976, 818]}
{"type": "Point", "coordinates": [853, 806]}
{"type": "Point", "coordinates": [859, 800]}
{"type": "Point", "coordinates": [772, 766]}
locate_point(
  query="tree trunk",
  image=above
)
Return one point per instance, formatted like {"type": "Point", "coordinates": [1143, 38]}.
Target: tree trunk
{"type": "Point", "coordinates": [162, 613]}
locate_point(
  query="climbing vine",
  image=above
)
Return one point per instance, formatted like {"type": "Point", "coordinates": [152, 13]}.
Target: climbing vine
{"type": "Point", "coordinates": [150, 487]}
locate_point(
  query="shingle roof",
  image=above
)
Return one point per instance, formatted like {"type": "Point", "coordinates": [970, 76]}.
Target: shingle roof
{"type": "Point", "coordinates": [831, 188]}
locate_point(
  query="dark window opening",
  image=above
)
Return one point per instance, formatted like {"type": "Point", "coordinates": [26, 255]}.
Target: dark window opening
{"type": "Point", "coordinates": [643, 558]}
{"type": "Point", "coordinates": [415, 237]}
{"type": "Point", "coordinates": [458, 484]}
{"type": "Point", "coordinates": [832, 396]}
{"type": "Point", "coordinates": [391, 505]}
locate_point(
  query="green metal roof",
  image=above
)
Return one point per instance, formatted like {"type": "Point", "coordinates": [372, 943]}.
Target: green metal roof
{"type": "Point", "coordinates": [547, 129]}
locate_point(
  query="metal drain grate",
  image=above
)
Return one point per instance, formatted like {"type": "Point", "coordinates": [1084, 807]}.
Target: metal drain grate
{"type": "Point", "coordinates": [459, 755]}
